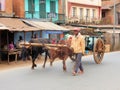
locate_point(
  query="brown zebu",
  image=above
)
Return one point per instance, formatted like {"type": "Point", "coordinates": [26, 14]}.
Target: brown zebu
{"type": "Point", "coordinates": [60, 52]}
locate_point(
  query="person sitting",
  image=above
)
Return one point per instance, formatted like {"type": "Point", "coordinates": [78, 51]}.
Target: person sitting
{"type": "Point", "coordinates": [24, 49]}
{"type": "Point", "coordinates": [20, 42]}
{"type": "Point", "coordinates": [11, 46]}
{"type": "Point", "coordinates": [53, 41]}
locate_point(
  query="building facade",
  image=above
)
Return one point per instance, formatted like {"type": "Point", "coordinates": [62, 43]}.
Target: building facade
{"type": "Point", "coordinates": [83, 10]}
{"type": "Point", "coordinates": [37, 9]}
{"type": "Point", "coordinates": [6, 8]}
{"type": "Point", "coordinates": [108, 11]}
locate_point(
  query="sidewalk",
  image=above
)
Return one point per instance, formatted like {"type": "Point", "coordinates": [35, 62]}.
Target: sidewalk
{"type": "Point", "coordinates": [20, 63]}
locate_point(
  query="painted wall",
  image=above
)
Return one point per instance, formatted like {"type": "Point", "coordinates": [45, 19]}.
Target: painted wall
{"type": "Point", "coordinates": [18, 7]}
{"type": "Point", "coordinates": [85, 4]}
{"type": "Point", "coordinates": [37, 12]}
{"type": "Point", "coordinates": [2, 5]}
{"type": "Point", "coordinates": [88, 2]}
{"type": "Point", "coordinates": [7, 6]}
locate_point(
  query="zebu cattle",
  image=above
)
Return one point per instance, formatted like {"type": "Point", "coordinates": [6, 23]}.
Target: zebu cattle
{"type": "Point", "coordinates": [62, 53]}
{"type": "Point", "coordinates": [36, 50]}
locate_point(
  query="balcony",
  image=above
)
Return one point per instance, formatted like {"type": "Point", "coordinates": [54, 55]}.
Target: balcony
{"type": "Point", "coordinates": [54, 17]}
{"type": "Point", "coordinates": [61, 19]}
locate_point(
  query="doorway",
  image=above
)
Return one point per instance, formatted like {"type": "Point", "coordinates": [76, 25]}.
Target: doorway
{"type": "Point", "coordinates": [118, 17]}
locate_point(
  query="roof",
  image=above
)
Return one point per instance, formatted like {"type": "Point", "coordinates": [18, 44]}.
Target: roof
{"type": "Point", "coordinates": [84, 31]}
{"type": "Point", "coordinates": [3, 27]}
{"type": "Point", "coordinates": [15, 24]}
{"type": "Point", "coordinates": [44, 25]}
{"type": "Point", "coordinates": [111, 30]}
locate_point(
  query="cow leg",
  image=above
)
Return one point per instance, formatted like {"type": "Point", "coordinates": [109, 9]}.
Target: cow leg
{"type": "Point", "coordinates": [46, 54]}
{"type": "Point", "coordinates": [51, 61]}
{"type": "Point", "coordinates": [64, 65]}
{"type": "Point", "coordinates": [34, 56]}
{"type": "Point", "coordinates": [33, 64]}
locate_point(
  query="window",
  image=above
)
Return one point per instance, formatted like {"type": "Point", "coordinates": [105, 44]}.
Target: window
{"type": "Point", "coordinates": [52, 7]}
{"type": "Point", "coordinates": [81, 13]}
{"type": "Point", "coordinates": [0, 6]}
{"type": "Point", "coordinates": [74, 11]}
{"type": "Point", "coordinates": [31, 6]}
{"type": "Point", "coordinates": [93, 13]}
{"type": "Point", "coordinates": [42, 9]}
{"type": "Point", "coordinates": [103, 14]}
{"type": "Point", "coordinates": [87, 13]}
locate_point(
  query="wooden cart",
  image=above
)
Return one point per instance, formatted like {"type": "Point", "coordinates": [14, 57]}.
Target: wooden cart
{"type": "Point", "coordinates": [98, 48]}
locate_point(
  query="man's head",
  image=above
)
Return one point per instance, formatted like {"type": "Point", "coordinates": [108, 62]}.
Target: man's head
{"type": "Point", "coordinates": [76, 30]}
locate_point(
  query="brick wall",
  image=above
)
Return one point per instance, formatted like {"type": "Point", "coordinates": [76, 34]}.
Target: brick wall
{"type": "Point", "coordinates": [19, 8]}
{"type": "Point", "coordinates": [8, 7]}
{"type": "Point", "coordinates": [109, 2]}
{"type": "Point", "coordinates": [109, 13]}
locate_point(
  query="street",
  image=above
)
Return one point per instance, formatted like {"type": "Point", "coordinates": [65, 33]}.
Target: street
{"type": "Point", "coordinates": [104, 76]}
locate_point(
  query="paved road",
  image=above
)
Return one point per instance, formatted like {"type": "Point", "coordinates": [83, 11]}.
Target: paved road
{"type": "Point", "coordinates": [105, 76]}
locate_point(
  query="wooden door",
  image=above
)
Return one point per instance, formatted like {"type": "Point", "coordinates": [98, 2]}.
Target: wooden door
{"type": "Point", "coordinates": [118, 17]}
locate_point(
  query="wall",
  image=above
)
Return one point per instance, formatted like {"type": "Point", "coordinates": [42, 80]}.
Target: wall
{"type": "Point", "coordinates": [88, 2]}
{"type": "Point", "coordinates": [85, 4]}
{"type": "Point", "coordinates": [7, 7]}
{"type": "Point", "coordinates": [18, 8]}
{"type": "Point", "coordinates": [36, 15]}
{"type": "Point", "coordinates": [109, 13]}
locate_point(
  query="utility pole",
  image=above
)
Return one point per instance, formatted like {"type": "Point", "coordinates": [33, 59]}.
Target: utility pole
{"type": "Point", "coordinates": [114, 14]}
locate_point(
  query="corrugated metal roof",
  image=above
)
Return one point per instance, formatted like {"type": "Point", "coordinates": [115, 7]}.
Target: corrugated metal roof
{"type": "Point", "coordinates": [111, 30]}
{"type": "Point", "coordinates": [3, 27]}
{"type": "Point", "coordinates": [14, 24]}
{"type": "Point", "coordinates": [44, 25]}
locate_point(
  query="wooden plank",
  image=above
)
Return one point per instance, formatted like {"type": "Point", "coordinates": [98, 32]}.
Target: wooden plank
{"type": "Point", "coordinates": [40, 44]}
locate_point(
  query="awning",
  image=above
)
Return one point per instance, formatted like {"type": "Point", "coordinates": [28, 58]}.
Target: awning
{"type": "Point", "coordinates": [44, 25]}
{"type": "Point", "coordinates": [3, 27]}
{"type": "Point", "coordinates": [15, 24]}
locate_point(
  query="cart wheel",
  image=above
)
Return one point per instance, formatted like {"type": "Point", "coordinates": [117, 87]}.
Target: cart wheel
{"type": "Point", "coordinates": [98, 51]}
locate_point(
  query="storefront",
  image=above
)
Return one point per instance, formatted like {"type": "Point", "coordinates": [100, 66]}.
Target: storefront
{"type": "Point", "coordinates": [48, 29]}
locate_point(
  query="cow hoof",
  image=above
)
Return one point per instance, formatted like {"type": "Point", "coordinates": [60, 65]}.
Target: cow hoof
{"type": "Point", "coordinates": [35, 65]}
{"type": "Point", "coordinates": [50, 63]}
{"type": "Point", "coordinates": [65, 70]}
{"type": "Point", "coordinates": [43, 66]}
{"type": "Point", "coordinates": [32, 67]}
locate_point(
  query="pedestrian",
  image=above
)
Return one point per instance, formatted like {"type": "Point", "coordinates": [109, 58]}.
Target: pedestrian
{"type": "Point", "coordinates": [78, 45]}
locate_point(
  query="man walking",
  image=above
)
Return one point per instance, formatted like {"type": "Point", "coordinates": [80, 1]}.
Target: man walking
{"type": "Point", "coordinates": [78, 44]}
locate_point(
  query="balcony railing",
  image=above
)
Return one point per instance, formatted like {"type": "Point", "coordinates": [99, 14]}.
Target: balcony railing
{"type": "Point", "coordinates": [61, 19]}
{"type": "Point", "coordinates": [82, 20]}
{"type": "Point", "coordinates": [55, 17]}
